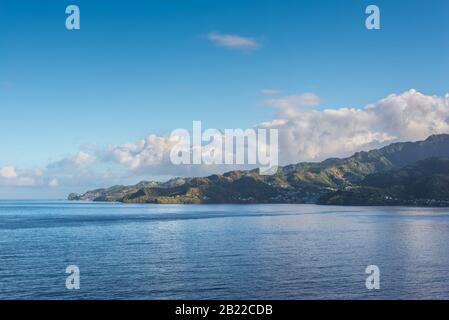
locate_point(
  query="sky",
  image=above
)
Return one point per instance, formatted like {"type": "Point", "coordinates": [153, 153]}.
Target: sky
{"type": "Point", "coordinates": [77, 106]}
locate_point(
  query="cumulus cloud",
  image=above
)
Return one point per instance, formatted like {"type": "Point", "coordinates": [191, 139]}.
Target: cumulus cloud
{"type": "Point", "coordinates": [71, 171]}
{"type": "Point", "coordinates": [11, 176]}
{"type": "Point", "coordinates": [145, 152]}
{"type": "Point", "coordinates": [8, 172]}
{"type": "Point", "coordinates": [82, 160]}
{"type": "Point", "coordinates": [151, 156]}
{"type": "Point", "coordinates": [412, 115]}
{"type": "Point", "coordinates": [305, 134]}
{"type": "Point", "coordinates": [313, 135]}
{"type": "Point", "coordinates": [232, 41]}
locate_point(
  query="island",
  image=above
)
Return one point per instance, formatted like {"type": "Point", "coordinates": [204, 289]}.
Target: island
{"type": "Point", "coordinates": [403, 173]}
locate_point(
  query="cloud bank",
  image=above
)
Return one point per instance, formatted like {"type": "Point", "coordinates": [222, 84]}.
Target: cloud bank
{"type": "Point", "coordinates": [305, 134]}
{"type": "Point", "coordinates": [313, 135]}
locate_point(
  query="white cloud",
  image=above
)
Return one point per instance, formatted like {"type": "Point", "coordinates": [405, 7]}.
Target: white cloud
{"type": "Point", "coordinates": [232, 41]}
{"type": "Point", "coordinates": [82, 160]}
{"type": "Point", "coordinates": [145, 152]}
{"type": "Point", "coordinates": [73, 170]}
{"type": "Point", "coordinates": [412, 115]}
{"type": "Point", "coordinates": [8, 172]}
{"type": "Point", "coordinates": [305, 134]}
{"type": "Point", "coordinates": [53, 183]}
{"type": "Point", "coordinates": [12, 177]}
{"type": "Point", "coordinates": [313, 135]}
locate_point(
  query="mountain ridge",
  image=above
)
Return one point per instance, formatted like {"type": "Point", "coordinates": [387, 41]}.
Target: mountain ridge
{"type": "Point", "coordinates": [305, 182]}
{"type": "Point", "coordinates": [422, 183]}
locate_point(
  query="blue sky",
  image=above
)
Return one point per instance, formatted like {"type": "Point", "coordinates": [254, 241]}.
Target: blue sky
{"type": "Point", "coordinates": [141, 67]}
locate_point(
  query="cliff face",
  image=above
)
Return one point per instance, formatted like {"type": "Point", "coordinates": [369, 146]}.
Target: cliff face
{"type": "Point", "coordinates": [299, 183]}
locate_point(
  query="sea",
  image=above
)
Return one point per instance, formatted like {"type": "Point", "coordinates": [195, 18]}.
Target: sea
{"type": "Point", "coordinates": [292, 252]}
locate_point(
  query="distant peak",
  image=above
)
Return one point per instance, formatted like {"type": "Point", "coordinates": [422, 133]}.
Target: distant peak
{"type": "Point", "coordinates": [438, 137]}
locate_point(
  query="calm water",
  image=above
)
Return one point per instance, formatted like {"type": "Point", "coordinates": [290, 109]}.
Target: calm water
{"type": "Point", "coordinates": [221, 252]}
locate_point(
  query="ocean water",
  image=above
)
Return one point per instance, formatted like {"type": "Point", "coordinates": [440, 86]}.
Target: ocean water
{"type": "Point", "coordinates": [221, 251]}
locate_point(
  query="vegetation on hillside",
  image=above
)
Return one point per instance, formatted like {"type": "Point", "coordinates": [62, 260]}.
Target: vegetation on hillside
{"type": "Point", "coordinates": [391, 175]}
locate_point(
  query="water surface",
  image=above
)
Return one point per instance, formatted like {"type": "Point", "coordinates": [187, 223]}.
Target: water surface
{"type": "Point", "coordinates": [221, 251]}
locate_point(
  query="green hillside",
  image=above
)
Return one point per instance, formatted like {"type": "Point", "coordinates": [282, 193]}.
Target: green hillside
{"type": "Point", "coordinates": [333, 181]}
{"type": "Point", "coordinates": [424, 183]}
